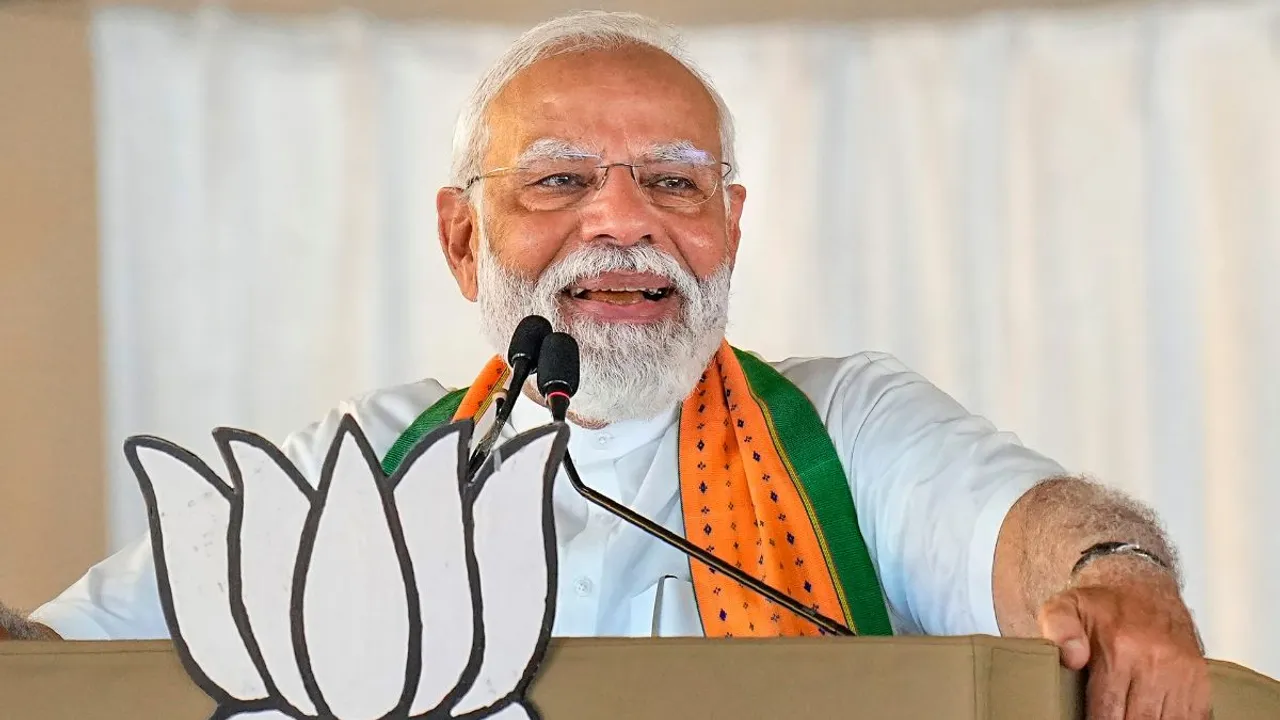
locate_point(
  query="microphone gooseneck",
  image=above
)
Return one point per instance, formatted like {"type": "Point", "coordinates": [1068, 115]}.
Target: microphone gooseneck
{"type": "Point", "coordinates": [558, 381]}
{"type": "Point", "coordinates": [522, 356]}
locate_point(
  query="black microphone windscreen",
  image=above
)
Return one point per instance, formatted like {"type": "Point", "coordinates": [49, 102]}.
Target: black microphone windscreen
{"type": "Point", "coordinates": [526, 341]}
{"type": "Point", "coordinates": [558, 364]}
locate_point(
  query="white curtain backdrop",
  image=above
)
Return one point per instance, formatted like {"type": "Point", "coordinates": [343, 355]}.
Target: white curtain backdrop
{"type": "Point", "coordinates": [1070, 221]}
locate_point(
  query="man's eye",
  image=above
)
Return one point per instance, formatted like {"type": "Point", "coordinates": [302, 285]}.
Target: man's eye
{"type": "Point", "coordinates": [561, 181]}
{"type": "Point", "coordinates": [673, 183]}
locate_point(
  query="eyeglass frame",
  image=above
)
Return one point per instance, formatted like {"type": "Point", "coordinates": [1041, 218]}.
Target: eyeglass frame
{"type": "Point", "coordinates": [631, 170]}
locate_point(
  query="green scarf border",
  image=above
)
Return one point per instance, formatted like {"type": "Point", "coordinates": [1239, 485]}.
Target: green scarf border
{"type": "Point", "coordinates": [806, 448]}
{"type": "Point", "coordinates": [440, 412]}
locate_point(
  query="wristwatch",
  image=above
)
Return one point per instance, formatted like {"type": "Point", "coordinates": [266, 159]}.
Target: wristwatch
{"type": "Point", "coordinates": [1104, 549]}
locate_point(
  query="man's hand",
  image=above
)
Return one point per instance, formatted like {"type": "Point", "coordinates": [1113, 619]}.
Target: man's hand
{"type": "Point", "coordinates": [15, 627]}
{"type": "Point", "coordinates": [1121, 617]}
{"type": "Point", "coordinates": [1124, 621]}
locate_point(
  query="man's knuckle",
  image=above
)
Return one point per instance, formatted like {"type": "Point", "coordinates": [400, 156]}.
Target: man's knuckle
{"type": "Point", "coordinates": [1161, 653]}
{"type": "Point", "coordinates": [1127, 646]}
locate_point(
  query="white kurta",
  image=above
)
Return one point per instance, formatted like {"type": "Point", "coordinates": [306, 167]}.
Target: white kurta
{"type": "Point", "coordinates": [931, 482]}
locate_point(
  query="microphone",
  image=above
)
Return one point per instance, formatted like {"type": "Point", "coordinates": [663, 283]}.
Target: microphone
{"type": "Point", "coordinates": [558, 372]}
{"type": "Point", "coordinates": [558, 381]}
{"type": "Point", "coordinates": [522, 356]}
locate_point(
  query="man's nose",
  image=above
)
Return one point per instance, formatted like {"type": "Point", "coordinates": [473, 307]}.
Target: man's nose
{"type": "Point", "coordinates": [619, 212]}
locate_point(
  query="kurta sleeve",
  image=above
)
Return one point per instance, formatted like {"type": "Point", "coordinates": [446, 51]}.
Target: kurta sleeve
{"type": "Point", "coordinates": [932, 484]}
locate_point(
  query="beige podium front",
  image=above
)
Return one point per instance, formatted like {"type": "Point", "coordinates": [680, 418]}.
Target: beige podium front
{"type": "Point", "coordinates": [958, 678]}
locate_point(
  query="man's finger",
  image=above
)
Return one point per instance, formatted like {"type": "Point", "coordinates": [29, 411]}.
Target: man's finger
{"type": "Point", "coordinates": [1061, 624]}
{"type": "Point", "coordinates": [1106, 692]}
{"type": "Point", "coordinates": [1148, 701]}
{"type": "Point", "coordinates": [1189, 699]}
{"type": "Point", "coordinates": [1202, 698]}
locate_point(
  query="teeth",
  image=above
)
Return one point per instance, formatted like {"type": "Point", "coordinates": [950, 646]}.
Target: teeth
{"type": "Point", "coordinates": [579, 292]}
{"type": "Point", "coordinates": [648, 293]}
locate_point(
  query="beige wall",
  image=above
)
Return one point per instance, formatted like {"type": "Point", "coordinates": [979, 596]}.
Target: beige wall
{"type": "Point", "coordinates": [674, 11]}
{"type": "Point", "coordinates": [51, 489]}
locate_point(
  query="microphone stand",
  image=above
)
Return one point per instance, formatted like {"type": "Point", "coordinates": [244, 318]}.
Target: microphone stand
{"type": "Point", "coordinates": [502, 414]}
{"type": "Point", "coordinates": [648, 526]}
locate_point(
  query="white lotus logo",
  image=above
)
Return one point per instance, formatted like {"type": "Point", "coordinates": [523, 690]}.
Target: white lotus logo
{"type": "Point", "coordinates": [363, 597]}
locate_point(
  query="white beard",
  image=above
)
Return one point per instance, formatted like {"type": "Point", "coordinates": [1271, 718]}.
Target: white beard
{"type": "Point", "coordinates": [628, 371]}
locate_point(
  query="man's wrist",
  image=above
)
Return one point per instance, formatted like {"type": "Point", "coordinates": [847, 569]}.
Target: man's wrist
{"type": "Point", "coordinates": [1138, 578]}
{"type": "Point", "coordinates": [1111, 561]}
{"type": "Point", "coordinates": [1114, 547]}
{"type": "Point", "coordinates": [1124, 569]}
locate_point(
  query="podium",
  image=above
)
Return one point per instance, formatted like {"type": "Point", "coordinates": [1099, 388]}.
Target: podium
{"type": "Point", "coordinates": [939, 678]}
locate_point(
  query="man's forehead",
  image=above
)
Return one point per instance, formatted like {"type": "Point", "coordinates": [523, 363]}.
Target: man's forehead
{"type": "Point", "coordinates": [609, 102]}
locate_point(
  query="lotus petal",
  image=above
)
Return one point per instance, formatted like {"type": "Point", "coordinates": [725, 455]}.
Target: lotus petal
{"type": "Point", "coordinates": [429, 503]}
{"type": "Point", "coordinates": [274, 500]}
{"type": "Point", "coordinates": [514, 540]}
{"type": "Point", "coordinates": [188, 509]}
{"type": "Point", "coordinates": [355, 612]}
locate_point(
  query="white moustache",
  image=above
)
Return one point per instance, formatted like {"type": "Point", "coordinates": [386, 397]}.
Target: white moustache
{"type": "Point", "coordinates": [594, 260]}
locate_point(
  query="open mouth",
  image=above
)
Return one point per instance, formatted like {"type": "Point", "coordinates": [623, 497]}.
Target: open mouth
{"type": "Point", "coordinates": [623, 297]}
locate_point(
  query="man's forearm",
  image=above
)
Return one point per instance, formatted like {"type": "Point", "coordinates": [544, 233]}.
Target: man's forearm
{"type": "Point", "coordinates": [14, 626]}
{"type": "Point", "coordinates": [1046, 531]}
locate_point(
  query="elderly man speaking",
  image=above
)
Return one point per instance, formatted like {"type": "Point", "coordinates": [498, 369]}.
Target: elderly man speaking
{"type": "Point", "coordinates": [593, 185]}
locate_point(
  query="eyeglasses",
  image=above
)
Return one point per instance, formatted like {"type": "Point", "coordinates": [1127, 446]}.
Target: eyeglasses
{"type": "Point", "coordinates": [561, 184]}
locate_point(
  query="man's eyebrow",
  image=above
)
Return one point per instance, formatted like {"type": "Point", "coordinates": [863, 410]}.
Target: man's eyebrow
{"type": "Point", "coordinates": [679, 151]}
{"type": "Point", "coordinates": [553, 149]}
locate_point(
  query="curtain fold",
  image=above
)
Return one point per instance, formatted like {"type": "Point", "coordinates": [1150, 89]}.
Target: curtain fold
{"type": "Point", "coordinates": [1068, 220]}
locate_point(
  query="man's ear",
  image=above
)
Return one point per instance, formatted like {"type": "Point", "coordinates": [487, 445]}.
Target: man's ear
{"type": "Point", "coordinates": [459, 237]}
{"type": "Point", "coordinates": [737, 197]}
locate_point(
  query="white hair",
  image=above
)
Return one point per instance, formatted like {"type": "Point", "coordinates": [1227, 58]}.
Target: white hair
{"type": "Point", "coordinates": [577, 32]}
